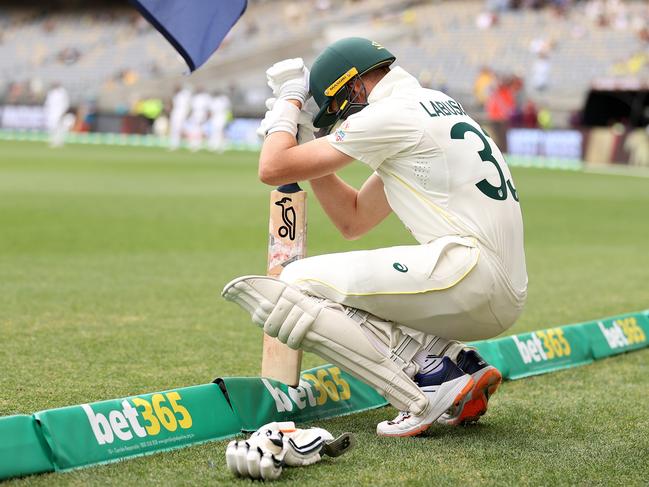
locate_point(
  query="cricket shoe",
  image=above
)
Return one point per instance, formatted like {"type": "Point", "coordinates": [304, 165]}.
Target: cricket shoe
{"type": "Point", "coordinates": [445, 385]}
{"type": "Point", "coordinates": [486, 379]}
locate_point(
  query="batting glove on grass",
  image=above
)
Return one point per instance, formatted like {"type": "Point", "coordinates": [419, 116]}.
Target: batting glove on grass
{"type": "Point", "coordinates": [289, 80]}
{"type": "Point", "coordinates": [276, 445]}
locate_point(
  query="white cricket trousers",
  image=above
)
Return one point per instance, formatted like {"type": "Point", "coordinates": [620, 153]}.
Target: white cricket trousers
{"type": "Point", "coordinates": [452, 287]}
{"type": "Point", "coordinates": [176, 124]}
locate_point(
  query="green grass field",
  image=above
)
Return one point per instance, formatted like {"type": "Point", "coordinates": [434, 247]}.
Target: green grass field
{"type": "Point", "coordinates": [111, 265]}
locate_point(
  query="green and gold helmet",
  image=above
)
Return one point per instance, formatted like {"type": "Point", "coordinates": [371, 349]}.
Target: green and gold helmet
{"type": "Point", "coordinates": [340, 63]}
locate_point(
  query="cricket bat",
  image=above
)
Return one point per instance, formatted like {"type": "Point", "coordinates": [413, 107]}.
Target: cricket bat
{"type": "Point", "coordinates": [286, 243]}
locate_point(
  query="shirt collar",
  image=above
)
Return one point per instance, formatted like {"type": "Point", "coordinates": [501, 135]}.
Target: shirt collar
{"type": "Point", "coordinates": [396, 78]}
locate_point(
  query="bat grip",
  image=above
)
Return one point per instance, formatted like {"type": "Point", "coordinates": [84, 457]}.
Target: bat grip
{"type": "Point", "coordinates": [289, 188]}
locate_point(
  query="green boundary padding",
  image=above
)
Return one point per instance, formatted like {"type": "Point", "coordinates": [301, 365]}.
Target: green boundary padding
{"type": "Point", "coordinates": [108, 431]}
{"type": "Point", "coordinates": [543, 351]}
{"type": "Point", "coordinates": [23, 451]}
{"type": "Point", "coordinates": [324, 392]}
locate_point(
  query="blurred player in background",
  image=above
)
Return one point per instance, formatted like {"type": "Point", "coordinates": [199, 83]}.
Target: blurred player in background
{"type": "Point", "coordinates": [200, 105]}
{"type": "Point", "coordinates": [56, 107]}
{"type": "Point", "coordinates": [180, 107]}
{"type": "Point", "coordinates": [393, 317]}
{"type": "Point", "coordinates": [219, 116]}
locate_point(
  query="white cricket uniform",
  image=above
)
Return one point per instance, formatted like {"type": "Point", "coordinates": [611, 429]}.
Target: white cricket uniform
{"type": "Point", "coordinates": [56, 106]}
{"type": "Point", "coordinates": [200, 104]}
{"type": "Point", "coordinates": [180, 106]}
{"type": "Point", "coordinates": [219, 110]}
{"type": "Point", "coordinates": [450, 186]}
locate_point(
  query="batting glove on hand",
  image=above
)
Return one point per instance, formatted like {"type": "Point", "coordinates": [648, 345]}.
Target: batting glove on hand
{"type": "Point", "coordinates": [305, 128]}
{"type": "Point", "coordinates": [281, 116]}
{"type": "Point", "coordinates": [276, 445]}
{"type": "Point", "coordinates": [289, 80]}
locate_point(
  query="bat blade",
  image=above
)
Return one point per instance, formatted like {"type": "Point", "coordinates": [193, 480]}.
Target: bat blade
{"type": "Point", "coordinates": [286, 243]}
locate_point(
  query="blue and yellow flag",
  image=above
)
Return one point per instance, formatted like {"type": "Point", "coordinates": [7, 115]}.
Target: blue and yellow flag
{"type": "Point", "coordinates": [195, 28]}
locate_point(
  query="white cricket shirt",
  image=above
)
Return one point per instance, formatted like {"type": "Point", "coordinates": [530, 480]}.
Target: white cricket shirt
{"type": "Point", "coordinates": [442, 173]}
{"type": "Point", "coordinates": [181, 103]}
{"type": "Point", "coordinates": [57, 103]}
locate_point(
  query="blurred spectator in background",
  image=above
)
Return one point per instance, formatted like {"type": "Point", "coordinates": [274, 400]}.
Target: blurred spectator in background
{"type": "Point", "coordinates": [200, 106]}
{"type": "Point", "coordinates": [530, 115]}
{"type": "Point", "coordinates": [295, 15]}
{"type": "Point", "coordinates": [607, 13]}
{"type": "Point", "coordinates": [632, 65]}
{"type": "Point", "coordinates": [486, 20]}
{"type": "Point", "coordinates": [560, 7]}
{"type": "Point", "coordinates": [219, 116]}
{"type": "Point", "coordinates": [140, 24]}
{"type": "Point", "coordinates": [497, 5]}
{"type": "Point", "coordinates": [518, 93]}
{"type": "Point", "coordinates": [643, 34]}
{"type": "Point", "coordinates": [180, 107]}
{"type": "Point", "coordinates": [17, 93]}
{"type": "Point", "coordinates": [322, 5]}
{"type": "Point", "coordinates": [86, 116]}
{"type": "Point", "coordinates": [541, 45]}
{"type": "Point", "coordinates": [36, 88]}
{"type": "Point", "coordinates": [524, 112]}
{"type": "Point", "coordinates": [149, 108]}
{"type": "Point", "coordinates": [56, 106]}
{"type": "Point", "coordinates": [544, 119]}
{"type": "Point", "coordinates": [484, 85]}
{"type": "Point", "coordinates": [69, 55]}
{"type": "Point", "coordinates": [540, 75]}
{"type": "Point", "coordinates": [129, 77]}
{"type": "Point", "coordinates": [501, 105]}
{"type": "Point", "coordinates": [637, 145]}
{"type": "Point", "coordinates": [426, 78]}
{"type": "Point", "coordinates": [161, 125]}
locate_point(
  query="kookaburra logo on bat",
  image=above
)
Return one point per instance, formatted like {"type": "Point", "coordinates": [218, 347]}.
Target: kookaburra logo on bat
{"type": "Point", "coordinates": [288, 217]}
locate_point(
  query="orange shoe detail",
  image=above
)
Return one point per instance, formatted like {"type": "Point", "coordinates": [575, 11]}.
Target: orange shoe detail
{"type": "Point", "coordinates": [477, 404]}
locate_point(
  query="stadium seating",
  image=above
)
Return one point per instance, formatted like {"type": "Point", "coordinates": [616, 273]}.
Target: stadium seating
{"type": "Point", "coordinates": [101, 55]}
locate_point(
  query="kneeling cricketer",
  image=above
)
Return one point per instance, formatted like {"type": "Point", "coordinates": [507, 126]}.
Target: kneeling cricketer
{"type": "Point", "coordinates": [393, 317]}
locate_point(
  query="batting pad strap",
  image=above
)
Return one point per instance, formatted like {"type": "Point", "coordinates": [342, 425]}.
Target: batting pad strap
{"type": "Point", "coordinates": [339, 339]}
{"type": "Point", "coordinates": [443, 347]}
{"type": "Point", "coordinates": [406, 347]}
{"type": "Point", "coordinates": [405, 350]}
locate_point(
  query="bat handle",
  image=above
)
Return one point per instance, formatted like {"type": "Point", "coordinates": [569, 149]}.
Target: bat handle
{"type": "Point", "coordinates": [289, 188]}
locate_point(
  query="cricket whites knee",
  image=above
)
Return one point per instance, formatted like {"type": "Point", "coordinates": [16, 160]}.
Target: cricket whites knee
{"type": "Point", "coordinates": [291, 273]}
{"type": "Point", "coordinates": [309, 275]}
{"type": "Point", "coordinates": [295, 274]}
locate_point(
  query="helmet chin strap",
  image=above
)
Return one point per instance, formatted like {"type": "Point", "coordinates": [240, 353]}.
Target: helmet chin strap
{"type": "Point", "coordinates": [349, 104]}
